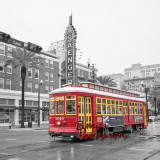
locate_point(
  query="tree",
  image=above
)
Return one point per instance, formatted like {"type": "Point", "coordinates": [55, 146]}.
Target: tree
{"type": "Point", "coordinates": [107, 81]}
{"type": "Point", "coordinates": [155, 94]}
{"type": "Point", "coordinates": [24, 59]}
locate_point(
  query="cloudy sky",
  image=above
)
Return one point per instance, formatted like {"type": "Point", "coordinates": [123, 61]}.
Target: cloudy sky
{"type": "Point", "coordinates": [114, 34]}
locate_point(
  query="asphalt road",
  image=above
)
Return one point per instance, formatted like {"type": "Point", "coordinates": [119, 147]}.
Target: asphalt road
{"type": "Point", "coordinates": [36, 144]}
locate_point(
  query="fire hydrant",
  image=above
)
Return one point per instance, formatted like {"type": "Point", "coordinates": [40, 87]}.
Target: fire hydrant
{"type": "Point", "coordinates": [10, 125]}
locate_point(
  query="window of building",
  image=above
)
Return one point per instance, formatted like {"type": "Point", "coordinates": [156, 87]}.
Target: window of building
{"type": "Point", "coordinates": [89, 75]}
{"type": "Point", "coordinates": [47, 76]}
{"type": "Point", "coordinates": [36, 74]}
{"type": "Point", "coordinates": [51, 64]}
{"type": "Point", "coordinates": [30, 72]}
{"type": "Point", "coordinates": [45, 115]}
{"type": "Point", "coordinates": [1, 66]}
{"type": "Point", "coordinates": [29, 116]}
{"type": "Point", "coordinates": [9, 69]}
{"type": "Point", "coordinates": [2, 49]}
{"type": "Point", "coordinates": [29, 86]}
{"type": "Point", "coordinates": [35, 103]}
{"type": "Point", "coordinates": [51, 77]}
{"type": "Point", "coordinates": [6, 115]}
{"type": "Point", "coordinates": [9, 52]}
{"type": "Point", "coordinates": [8, 84]}
{"type": "Point", "coordinates": [1, 83]}
{"type": "Point", "coordinates": [46, 88]}
{"type": "Point", "coordinates": [51, 88]}
{"type": "Point", "coordinates": [36, 86]}
{"type": "Point", "coordinates": [47, 63]}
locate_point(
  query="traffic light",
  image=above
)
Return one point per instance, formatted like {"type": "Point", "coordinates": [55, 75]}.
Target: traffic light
{"type": "Point", "coordinates": [4, 37]}
{"type": "Point", "coordinates": [34, 48]}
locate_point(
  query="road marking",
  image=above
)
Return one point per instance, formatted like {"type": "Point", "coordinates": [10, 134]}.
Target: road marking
{"type": "Point", "coordinates": [85, 145]}
{"type": "Point", "coordinates": [141, 149]}
{"type": "Point", "coordinates": [10, 139]}
{"type": "Point", "coordinates": [41, 141]}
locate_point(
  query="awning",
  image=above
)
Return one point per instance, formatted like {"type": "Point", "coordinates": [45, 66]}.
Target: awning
{"type": "Point", "coordinates": [8, 107]}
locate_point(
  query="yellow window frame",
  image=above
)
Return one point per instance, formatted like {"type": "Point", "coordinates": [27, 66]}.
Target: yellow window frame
{"type": "Point", "coordinates": [57, 99]}
{"type": "Point", "coordinates": [52, 99]}
{"type": "Point", "coordinates": [75, 104]}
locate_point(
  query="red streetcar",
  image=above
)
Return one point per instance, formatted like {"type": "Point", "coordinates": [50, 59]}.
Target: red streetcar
{"type": "Point", "coordinates": [81, 111]}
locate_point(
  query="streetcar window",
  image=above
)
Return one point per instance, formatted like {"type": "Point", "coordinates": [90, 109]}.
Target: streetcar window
{"type": "Point", "coordinates": [60, 105]}
{"type": "Point", "coordinates": [91, 86]}
{"type": "Point", "coordinates": [108, 101]}
{"type": "Point", "coordinates": [70, 104]}
{"type": "Point", "coordinates": [120, 109]}
{"type": "Point", "coordinates": [110, 90]}
{"type": "Point", "coordinates": [114, 91]}
{"type": "Point", "coordinates": [116, 102]}
{"type": "Point", "coordinates": [113, 109]}
{"type": "Point", "coordinates": [85, 85]}
{"type": "Point", "coordinates": [98, 100]}
{"type": "Point", "coordinates": [103, 109]}
{"type": "Point", "coordinates": [106, 89]}
{"type": "Point", "coordinates": [51, 107]}
{"type": "Point", "coordinates": [112, 101]}
{"type": "Point", "coordinates": [108, 109]}
{"type": "Point", "coordinates": [96, 87]}
{"type": "Point", "coordinates": [101, 88]}
{"type": "Point", "coordinates": [120, 103]}
{"type": "Point", "coordinates": [136, 110]}
{"type": "Point", "coordinates": [98, 109]}
{"type": "Point", "coordinates": [117, 110]}
{"type": "Point", "coordinates": [104, 101]}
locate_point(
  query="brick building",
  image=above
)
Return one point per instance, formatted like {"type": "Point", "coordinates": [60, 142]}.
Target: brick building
{"type": "Point", "coordinates": [10, 88]}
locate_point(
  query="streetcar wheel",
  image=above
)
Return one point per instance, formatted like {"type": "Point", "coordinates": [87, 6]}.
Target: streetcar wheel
{"type": "Point", "coordinates": [137, 128]}
{"type": "Point", "coordinates": [131, 130]}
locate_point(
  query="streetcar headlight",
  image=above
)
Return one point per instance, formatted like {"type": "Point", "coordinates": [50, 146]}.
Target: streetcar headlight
{"type": "Point", "coordinates": [58, 123]}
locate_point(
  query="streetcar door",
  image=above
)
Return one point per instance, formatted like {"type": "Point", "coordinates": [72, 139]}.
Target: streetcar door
{"type": "Point", "coordinates": [88, 116]}
{"type": "Point", "coordinates": [85, 113]}
{"type": "Point", "coordinates": [145, 115]}
{"type": "Point", "coordinates": [81, 111]}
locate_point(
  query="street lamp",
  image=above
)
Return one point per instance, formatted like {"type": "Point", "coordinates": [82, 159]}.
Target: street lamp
{"type": "Point", "coordinates": [155, 98]}
{"type": "Point", "coordinates": [39, 90]}
{"type": "Point", "coordinates": [146, 90]}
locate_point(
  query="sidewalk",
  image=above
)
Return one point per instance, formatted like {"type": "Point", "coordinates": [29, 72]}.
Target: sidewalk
{"type": "Point", "coordinates": [18, 127]}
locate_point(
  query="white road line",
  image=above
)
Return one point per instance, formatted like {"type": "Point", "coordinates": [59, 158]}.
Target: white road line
{"type": "Point", "coordinates": [140, 149]}
{"type": "Point", "coordinates": [85, 145]}
{"type": "Point", "coordinates": [4, 153]}
{"type": "Point", "coordinates": [10, 139]}
{"type": "Point", "coordinates": [41, 141]}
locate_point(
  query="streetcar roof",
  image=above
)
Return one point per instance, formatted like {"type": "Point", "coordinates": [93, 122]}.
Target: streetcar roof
{"type": "Point", "coordinates": [91, 91]}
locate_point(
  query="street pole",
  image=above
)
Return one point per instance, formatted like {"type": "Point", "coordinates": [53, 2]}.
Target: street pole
{"type": "Point", "coordinates": [39, 90]}
{"type": "Point", "coordinates": [155, 105]}
{"type": "Point", "coordinates": [146, 91]}
{"type": "Point", "coordinates": [93, 73]}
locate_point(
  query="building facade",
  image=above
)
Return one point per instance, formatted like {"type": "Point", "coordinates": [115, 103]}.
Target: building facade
{"type": "Point", "coordinates": [119, 79]}
{"type": "Point", "coordinates": [84, 73]}
{"type": "Point", "coordinates": [10, 88]}
{"type": "Point", "coordinates": [138, 74]}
